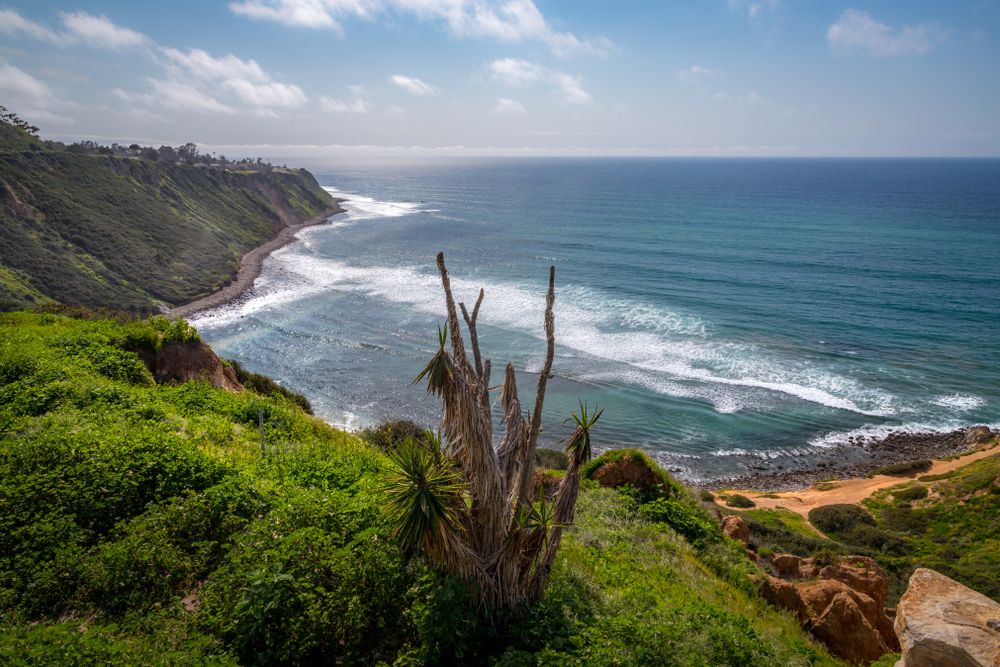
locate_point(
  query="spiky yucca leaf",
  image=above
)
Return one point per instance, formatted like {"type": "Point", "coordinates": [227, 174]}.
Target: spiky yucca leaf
{"type": "Point", "coordinates": [425, 497]}
{"type": "Point", "coordinates": [438, 370]}
{"type": "Point", "coordinates": [578, 443]}
{"type": "Point", "coordinates": [537, 517]}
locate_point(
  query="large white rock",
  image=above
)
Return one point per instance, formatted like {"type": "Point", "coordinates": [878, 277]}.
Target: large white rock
{"type": "Point", "coordinates": [941, 623]}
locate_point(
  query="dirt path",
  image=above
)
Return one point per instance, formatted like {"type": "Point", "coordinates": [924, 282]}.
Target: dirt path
{"type": "Point", "coordinates": [250, 266]}
{"type": "Point", "coordinates": [851, 490]}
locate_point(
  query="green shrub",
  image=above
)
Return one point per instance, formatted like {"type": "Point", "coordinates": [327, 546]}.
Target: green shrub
{"type": "Point", "coordinates": [905, 469]}
{"type": "Point", "coordinates": [551, 459]}
{"type": "Point", "coordinates": [910, 494]}
{"type": "Point", "coordinates": [838, 519]}
{"type": "Point", "coordinates": [387, 436]}
{"type": "Point", "coordinates": [679, 516]}
{"type": "Point", "coordinates": [740, 501]}
{"type": "Point", "coordinates": [265, 386]}
{"type": "Point", "coordinates": [305, 585]}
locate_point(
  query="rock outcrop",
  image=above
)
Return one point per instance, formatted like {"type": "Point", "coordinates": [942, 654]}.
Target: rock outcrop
{"type": "Point", "coordinates": [942, 623]}
{"type": "Point", "coordinates": [735, 527]}
{"type": "Point", "coordinates": [183, 362]}
{"type": "Point", "coordinates": [632, 468]}
{"type": "Point", "coordinates": [842, 604]}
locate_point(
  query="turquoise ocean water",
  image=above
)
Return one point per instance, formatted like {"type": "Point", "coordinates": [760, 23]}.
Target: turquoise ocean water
{"type": "Point", "coordinates": [723, 311]}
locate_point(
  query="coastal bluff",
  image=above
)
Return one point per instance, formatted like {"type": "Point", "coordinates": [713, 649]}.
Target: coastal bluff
{"type": "Point", "coordinates": [130, 233]}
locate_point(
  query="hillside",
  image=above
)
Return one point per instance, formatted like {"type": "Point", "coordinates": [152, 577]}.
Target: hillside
{"type": "Point", "coordinates": [132, 233]}
{"type": "Point", "coordinates": [142, 523]}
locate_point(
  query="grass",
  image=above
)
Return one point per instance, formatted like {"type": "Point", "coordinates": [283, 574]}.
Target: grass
{"type": "Point", "coordinates": [904, 469]}
{"type": "Point", "coordinates": [143, 524]}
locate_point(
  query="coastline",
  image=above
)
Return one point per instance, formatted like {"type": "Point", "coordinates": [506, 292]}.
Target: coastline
{"type": "Point", "coordinates": [864, 457]}
{"type": "Point", "coordinates": [250, 267]}
{"type": "Point", "coordinates": [855, 489]}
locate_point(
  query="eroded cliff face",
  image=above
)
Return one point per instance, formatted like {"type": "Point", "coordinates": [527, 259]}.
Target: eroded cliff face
{"type": "Point", "coordinates": [184, 362]}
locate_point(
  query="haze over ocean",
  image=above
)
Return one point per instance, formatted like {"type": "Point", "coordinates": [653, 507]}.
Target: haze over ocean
{"type": "Point", "coordinates": [723, 311]}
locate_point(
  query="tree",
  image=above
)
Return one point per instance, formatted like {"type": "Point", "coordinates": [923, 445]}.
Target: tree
{"type": "Point", "coordinates": [474, 509]}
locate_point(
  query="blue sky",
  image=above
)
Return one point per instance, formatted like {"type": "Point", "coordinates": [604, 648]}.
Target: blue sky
{"type": "Point", "coordinates": [511, 77]}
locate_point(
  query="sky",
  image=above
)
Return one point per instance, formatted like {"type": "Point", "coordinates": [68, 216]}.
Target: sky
{"type": "Point", "coordinates": [317, 78]}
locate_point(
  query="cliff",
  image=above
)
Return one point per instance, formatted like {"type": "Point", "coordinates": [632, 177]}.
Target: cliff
{"type": "Point", "coordinates": [131, 233]}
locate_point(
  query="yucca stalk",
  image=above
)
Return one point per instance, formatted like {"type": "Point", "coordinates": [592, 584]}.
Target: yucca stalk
{"type": "Point", "coordinates": [474, 509]}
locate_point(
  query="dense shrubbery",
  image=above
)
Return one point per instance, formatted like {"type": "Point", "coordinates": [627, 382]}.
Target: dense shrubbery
{"type": "Point", "coordinates": [266, 386]}
{"type": "Point", "coordinates": [149, 516]}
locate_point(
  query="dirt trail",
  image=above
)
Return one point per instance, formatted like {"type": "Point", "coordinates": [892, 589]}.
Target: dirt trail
{"type": "Point", "coordinates": [851, 490]}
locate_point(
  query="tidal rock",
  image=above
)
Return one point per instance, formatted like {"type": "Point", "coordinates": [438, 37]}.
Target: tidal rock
{"type": "Point", "coordinates": [942, 623]}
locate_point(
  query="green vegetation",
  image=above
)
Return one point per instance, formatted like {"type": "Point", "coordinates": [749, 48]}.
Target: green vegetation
{"type": "Point", "coordinates": [128, 232]}
{"type": "Point", "coordinates": [266, 386]}
{"type": "Point", "coordinates": [142, 524]}
{"type": "Point", "coordinates": [904, 469]}
{"type": "Point", "coordinates": [948, 522]}
{"type": "Point", "coordinates": [738, 500]}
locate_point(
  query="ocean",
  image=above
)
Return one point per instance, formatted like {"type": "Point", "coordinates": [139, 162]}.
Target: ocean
{"type": "Point", "coordinates": [724, 312]}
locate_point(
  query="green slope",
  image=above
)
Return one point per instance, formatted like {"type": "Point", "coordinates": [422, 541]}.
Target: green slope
{"type": "Point", "coordinates": [130, 233]}
{"type": "Point", "coordinates": [142, 524]}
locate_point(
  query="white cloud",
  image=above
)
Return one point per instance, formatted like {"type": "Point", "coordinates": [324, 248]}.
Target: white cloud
{"type": "Point", "coordinates": [19, 85]}
{"type": "Point", "coordinates": [244, 78]}
{"type": "Point", "coordinates": [99, 31]}
{"type": "Point", "coordinates": [78, 28]}
{"type": "Point", "coordinates": [31, 98]}
{"type": "Point", "coordinates": [184, 97]}
{"type": "Point", "coordinates": [12, 23]}
{"type": "Point", "coordinates": [503, 20]}
{"type": "Point", "coordinates": [517, 72]}
{"type": "Point", "coordinates": [697, 73]}
{"type": "Point", "coordinates": [505, 105]}
{"type": "Point", "coordinates": [413, 85]}
{"type": "Point", "coordinates": [333, 105]}
{"type": "Point", "coordinates": [753, 8]}
{"type": "Point", "coordinates": [857, 32]}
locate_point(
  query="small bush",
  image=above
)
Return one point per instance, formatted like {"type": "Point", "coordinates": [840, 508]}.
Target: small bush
{"type": "Point", "coordinates": [910, 494]}
{"type": "Point", "coordinates": [738, 500]}
{"type": "Point", "coordinates": [551, 459]}
{"type": "Point", "coordinates": [387, 436]}
{"type": "Point", "coordinates": [679, 516]}
{"type": "Point", "coordinates": [706, 496]}
{"type": "Point", "coordinates": [265, 386]}
{"type": "Point", "coordinates": [905, 469]}
{"type": "Point", "coordinates": [838, 519]}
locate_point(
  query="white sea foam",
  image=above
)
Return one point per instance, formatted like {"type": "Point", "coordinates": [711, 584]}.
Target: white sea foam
{"type": "Point", "coordinates": [359, 207]}
{"type": "Point", "coordinates": [665, 351]}
{"type": "Point", "coordinates": [880, 431]}
{"type": "Point", "coordinates": [959, 402]}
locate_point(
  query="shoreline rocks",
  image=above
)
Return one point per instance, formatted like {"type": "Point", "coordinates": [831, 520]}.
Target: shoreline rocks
{"type": "Point", "coordinates": [861, 457]}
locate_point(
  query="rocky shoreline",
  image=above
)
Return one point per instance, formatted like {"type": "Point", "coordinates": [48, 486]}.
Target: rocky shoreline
{"type": "Point", "coordinates": [860, 457]}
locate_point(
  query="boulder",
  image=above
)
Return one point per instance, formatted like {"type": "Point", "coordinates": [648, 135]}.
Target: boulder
{"type": "Point", "coordinates": [630, 467]}
{"type": "Point", "coordinates": [978, 435]}
{"type": "Point", "coordinates": [183, 362]}
{"type": "Point", "coordinates": [842, 603]}
{"type": "Point", "coordinates": [736, 528]}
{"type": "Point", "coordinates": [942, 623]}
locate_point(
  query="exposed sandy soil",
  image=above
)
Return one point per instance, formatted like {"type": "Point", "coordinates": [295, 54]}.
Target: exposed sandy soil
{"type": "Point", "coordinates": [852, 490]}
{"type": "Point", "coordinates": [250, 267]}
